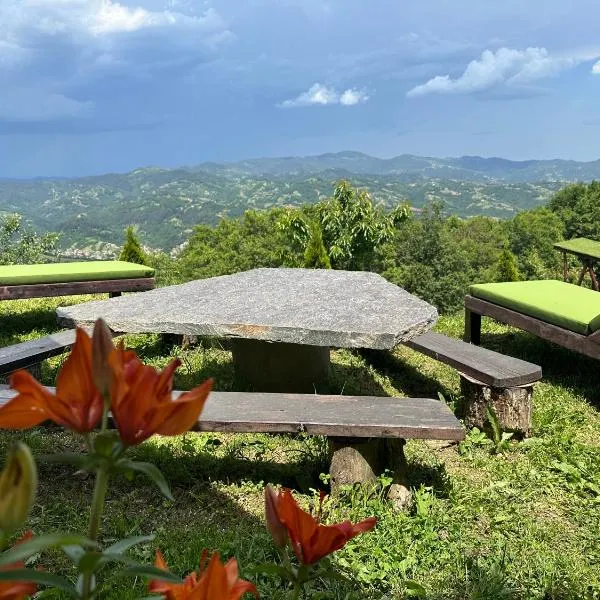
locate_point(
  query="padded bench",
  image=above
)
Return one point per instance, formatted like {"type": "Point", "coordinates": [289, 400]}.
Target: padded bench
{"type": "Point", "coordinates": [366, 434]}
{"type": "Point", "coordinates": [562, 313]}
{"type": "Point", "coordinates": [63, 279]}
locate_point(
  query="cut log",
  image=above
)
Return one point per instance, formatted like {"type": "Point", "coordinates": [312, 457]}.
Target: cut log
{"type": "Point", "coordinates": [512, 406]}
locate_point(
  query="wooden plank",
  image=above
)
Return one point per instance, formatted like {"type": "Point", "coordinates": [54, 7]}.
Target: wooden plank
{"type": "Point", "coordinates": [587, 345]}
{"type": "Point", "coordinates": [351, 416]}
{"type": "Point", "coordinates": [31, 352]}
{"type": "Point", "coordinates": [487, 366]}
{"type": "Point", "coordinates": [43, 290]}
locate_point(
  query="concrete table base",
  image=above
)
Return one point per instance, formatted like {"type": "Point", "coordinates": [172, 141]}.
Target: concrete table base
{"type": "Point", "coordinates": [281, 367]}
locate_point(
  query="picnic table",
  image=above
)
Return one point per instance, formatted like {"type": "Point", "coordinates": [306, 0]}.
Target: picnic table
{"type": "Point", "coordinates": [281, 322]}
{"type": "Point", "coordinates": [588, 252]}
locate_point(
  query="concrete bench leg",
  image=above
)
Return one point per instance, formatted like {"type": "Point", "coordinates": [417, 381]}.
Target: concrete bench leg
{"type": "Point", "coordinates": [362, 460]}
{"type": "Point", "coordinates": [512, 406]}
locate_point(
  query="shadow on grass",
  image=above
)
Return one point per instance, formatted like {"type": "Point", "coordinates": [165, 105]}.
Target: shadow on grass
{"type": "Point", "coordinates": [13, 326]}
{"type": "Point", "coordinates": [353, 381]}
{"type": "Point", "coordinates": [243, 461]}
{"type": "Point", "coordinates": [431, 476]}
{"type": "Point", "coordinates": [405, 376]}
{"type": "Point", "coordinates": [560, 366]}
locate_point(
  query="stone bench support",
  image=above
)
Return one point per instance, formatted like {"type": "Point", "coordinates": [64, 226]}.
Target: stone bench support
{"type": "Point", "coordinates": [362, 460]}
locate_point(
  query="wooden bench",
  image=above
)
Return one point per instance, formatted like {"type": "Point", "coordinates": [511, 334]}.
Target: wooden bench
{"type": "Point", "coordinates": [488, 378]}
{"type": "Point", "coordinates": [366, 434]}
{"type": "Point", "coordinates": [64, 279]}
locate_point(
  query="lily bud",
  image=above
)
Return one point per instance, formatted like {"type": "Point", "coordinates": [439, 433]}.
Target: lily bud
{"type": "Point", "coordinates": [102, 346]}
{"type": "Point", "coordinates": [274, 525]}
{"type": "Point", "coordinates": [18, 486]}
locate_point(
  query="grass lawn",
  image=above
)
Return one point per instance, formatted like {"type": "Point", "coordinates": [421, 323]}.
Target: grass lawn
{"type": "Point", "coordinates": [521, 524]}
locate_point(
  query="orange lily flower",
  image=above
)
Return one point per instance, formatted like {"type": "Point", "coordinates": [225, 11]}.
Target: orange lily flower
{"type": "Point", "coordinates": [76, 405]}
{"type": "Point", "coordinates": [17, 590]}
{"type": "Point", "coordinates": [310, 540]}
{"type": "Point", "coordinates": [141, 402]}
{"type": "Point", "coordinates": [216, 582]}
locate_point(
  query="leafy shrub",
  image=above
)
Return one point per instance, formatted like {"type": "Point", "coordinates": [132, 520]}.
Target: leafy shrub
{"type": "Point", "coordinates": [19, 245]}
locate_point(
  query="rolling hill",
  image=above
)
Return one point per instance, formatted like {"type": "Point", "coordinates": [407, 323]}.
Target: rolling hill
{"type": "Point", "coordinates": [167, 203]}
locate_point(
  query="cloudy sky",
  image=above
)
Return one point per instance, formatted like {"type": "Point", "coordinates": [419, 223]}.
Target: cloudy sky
{"type": "Point", "coordinates": [90, 86]}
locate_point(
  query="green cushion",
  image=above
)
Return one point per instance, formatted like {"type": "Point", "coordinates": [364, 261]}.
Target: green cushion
{"type": "Point", "coordinates": [74, 271]}
{"type": "Point", "coordinates": [563, 304]}
{"type": "Point", "coordinates": [581, 246]}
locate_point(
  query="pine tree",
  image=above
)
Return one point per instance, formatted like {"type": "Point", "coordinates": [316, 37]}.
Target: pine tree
{"type": "Point", "coordinates": [506, 267]}
{"type": "Point", "coordinates": [132, 249]}
{"type": "Point", "coordinates": [315, 255]}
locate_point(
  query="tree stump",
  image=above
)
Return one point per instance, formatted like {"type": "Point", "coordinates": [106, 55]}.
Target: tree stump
{"type": "Point", "coordinates": [362, 460]}
{"type": "Point", "coordinates": [512, 406]}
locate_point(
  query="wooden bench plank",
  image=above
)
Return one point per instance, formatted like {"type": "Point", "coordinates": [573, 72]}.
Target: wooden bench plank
{"type": "Point", "coordinates": [338, 416]}
{"type": "Point", "coordinates": [25, 354]}
{"type": "Point", "coordinates": [31, 352]}
{"type": "Point", "coordinates": [487, 366]}
{"type": "Point", "coordinates": [44, 290]}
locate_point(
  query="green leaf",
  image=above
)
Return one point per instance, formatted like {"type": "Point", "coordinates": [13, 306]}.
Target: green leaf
{"type": "Point", "coordinates": [86, 462]}
{"type": "Point", "coordinates": [106, 442]}
{"type": "Point", "coordinates": [151, 471]}
{"type": "Point", "coordinates": [415, 590]}
{"type": "Point", "coordinates": [29, 548]}
{"type": "Point", "coordinates": [148, 571]}
{"type": "Point", "coordinates": [124, 545]}
{"type": "Point", "coordinates": [39, 577]}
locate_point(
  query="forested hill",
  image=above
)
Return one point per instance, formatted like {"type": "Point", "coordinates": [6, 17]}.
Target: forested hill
{"type": "Point", "coordinates": [167, 203]}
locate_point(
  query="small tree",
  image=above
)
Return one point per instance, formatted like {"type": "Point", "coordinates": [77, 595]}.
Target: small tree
{"type": "Point", "coordinates": [132, 249]}
{"type": "Point", "coordinates": [506, 267]}
{"type": "Point", "coordinates": [315, 255]}
{"type": "Point", "coordinates": [19, 245]}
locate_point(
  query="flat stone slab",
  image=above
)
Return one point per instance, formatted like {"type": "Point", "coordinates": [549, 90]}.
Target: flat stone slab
{"type": "Point", "coordinates": [318, 307]}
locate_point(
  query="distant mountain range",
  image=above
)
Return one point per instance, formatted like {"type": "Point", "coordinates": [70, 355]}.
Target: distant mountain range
{"type": "Point", "coordinates": [465, 168]}
{"type": "Point", "coordinates": [91, 212]}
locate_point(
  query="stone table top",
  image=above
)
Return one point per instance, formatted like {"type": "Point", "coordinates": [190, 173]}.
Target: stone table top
{"type": "Point", "coordinates": [318, 307]}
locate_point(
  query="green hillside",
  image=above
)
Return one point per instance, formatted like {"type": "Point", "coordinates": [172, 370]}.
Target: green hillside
{"type": "Point", "coordinates": [167, 204]}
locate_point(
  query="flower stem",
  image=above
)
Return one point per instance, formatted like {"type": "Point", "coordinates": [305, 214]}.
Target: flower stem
{"type": "Point", "coordinates": [95, 517]}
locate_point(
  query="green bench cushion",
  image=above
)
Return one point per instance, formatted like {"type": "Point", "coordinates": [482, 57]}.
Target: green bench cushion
{"type": "Point", "coordinates": [581, 246]}
{"type": "Point", "coordinates": [563, 304]}
{"type": "Point", "coordinates": [75, 271]}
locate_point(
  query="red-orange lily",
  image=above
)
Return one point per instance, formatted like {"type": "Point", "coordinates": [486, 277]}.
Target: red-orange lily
{"type": "Point", "coordinates": [310, 540]}
{"type": "Point", "coordinates": [76, 405]}
{"type": "Point", "coordinates": [17, 590]}
{"type": "Point", "coordinates": [217, 582]}
{"type": "Point", "coordinates": [141, 402]}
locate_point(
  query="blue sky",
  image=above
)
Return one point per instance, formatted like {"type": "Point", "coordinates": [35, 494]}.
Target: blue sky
{"type": "Point", "coordinates": [90, 86]}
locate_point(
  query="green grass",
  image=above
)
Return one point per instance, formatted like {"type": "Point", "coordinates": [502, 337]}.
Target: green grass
{"type": "Point", "coordinates": [521, 524]}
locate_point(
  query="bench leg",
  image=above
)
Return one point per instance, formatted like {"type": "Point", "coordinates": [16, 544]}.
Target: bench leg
{"type": "Point", "coordinates": [114, 294]}
{"type": "Point", "coordinates": [512, 406]}
{"type": "Point", "coordinates": [472, 327]}
{"type": "Point", "coordinates": [362, 460]}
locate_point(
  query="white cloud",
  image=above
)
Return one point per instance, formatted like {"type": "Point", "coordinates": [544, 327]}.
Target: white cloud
{"type": "Point", "coordinates": [596, 68]}
{"type": "Point", "coordinates": [57, 46]}
{"type": "Point", "coordinates": [352, 96]}
{"type": "Point", "coordinates": [505, 66]}
{"type": "Point", "coordinates": [320, 94]}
